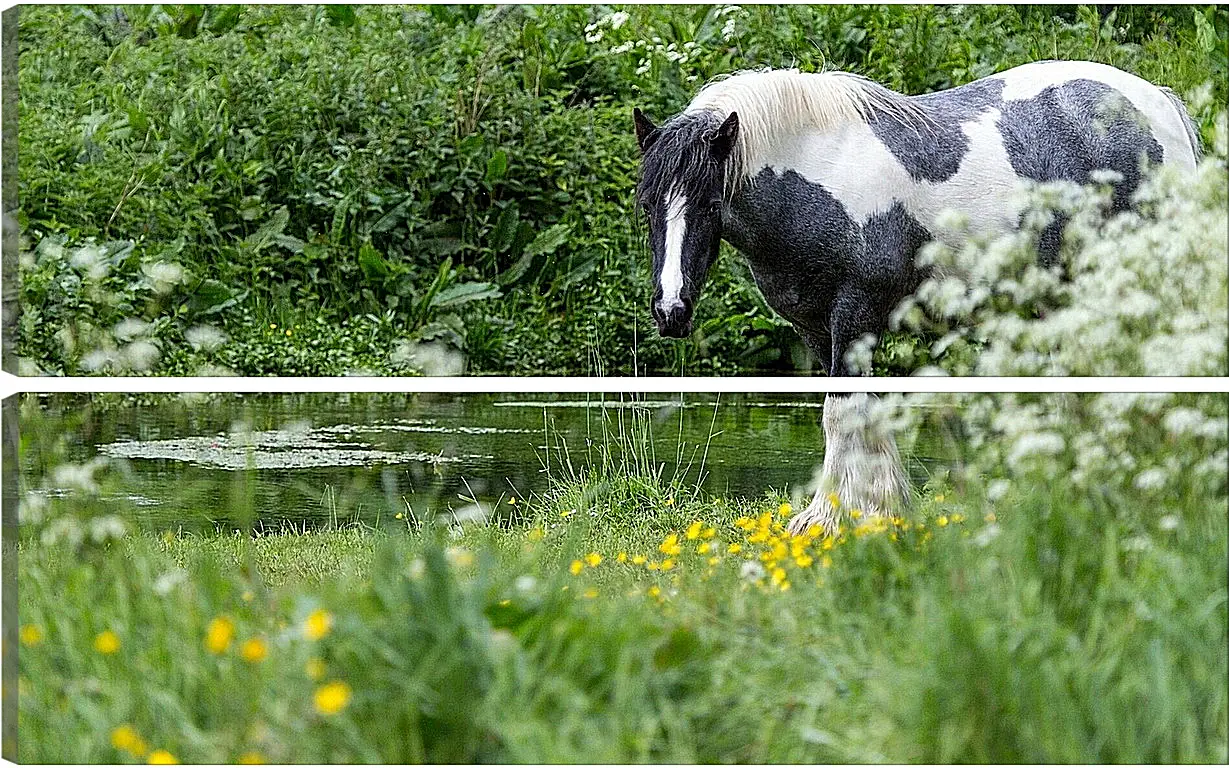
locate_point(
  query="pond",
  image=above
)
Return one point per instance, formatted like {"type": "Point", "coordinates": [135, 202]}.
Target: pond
{"type": "Point", "coordinates": [305, 460]}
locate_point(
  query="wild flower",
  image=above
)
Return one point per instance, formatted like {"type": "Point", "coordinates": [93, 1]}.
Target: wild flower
{"type": "Point", "coordinates": [219, 634]}
{"type": "Point", "coordinates": [31, 635]}
{"type": "Point", "coordinates": [254, 650]}
{"type": "Point", "coordinates": [593, 559]}
{"type": "Point", "coordinates": [126, 739]}
{"type": "Point", "coordinates": [252, 758]}
{"type": "Point", "coordinates": [317, 624]}
{"type": "Point", "coordinates": [162, 757]}
{"type": "Point", "coordinates": [670, 546]}
{"type": "Point", "coordinates": [332, 697]}
{"type": "Point", "coordinates": [106, 642]}
{"type": "Point", "coordinates": [576, 567]}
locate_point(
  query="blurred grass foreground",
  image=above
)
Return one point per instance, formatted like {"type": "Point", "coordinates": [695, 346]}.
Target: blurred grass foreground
{"type": "Point", "coordinates": [1059, 597]}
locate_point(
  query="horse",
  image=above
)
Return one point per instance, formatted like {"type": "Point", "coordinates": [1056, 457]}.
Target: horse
{"type": "Point", "coordinates": [828, 184]}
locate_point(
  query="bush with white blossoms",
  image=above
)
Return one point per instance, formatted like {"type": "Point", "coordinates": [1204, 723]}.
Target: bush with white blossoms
{"type": "Point", "coordinates": [1143, 292]}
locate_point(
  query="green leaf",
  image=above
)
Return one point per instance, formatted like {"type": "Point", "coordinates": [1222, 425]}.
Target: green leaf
{"type": "Point", "coordinates": [371, 262]}
{"type": "Point", "coordinates": [340, 15]}
{"type": "Point", "coordinates": [497, 166]}
{"type": "Point", "coordinates": [269, 230]}
{"type": "Point", "coordinates": [393, 217]}
{"type": "Point", "coordinates": [505, 229]}
{"type": "Point", "coordinates": [549, 240]}
{"type": "Point", "coordinates": [463, 293]}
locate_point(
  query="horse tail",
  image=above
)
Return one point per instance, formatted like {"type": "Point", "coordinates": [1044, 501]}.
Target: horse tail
{"type": "Point", "coordinates": [1187, 123]}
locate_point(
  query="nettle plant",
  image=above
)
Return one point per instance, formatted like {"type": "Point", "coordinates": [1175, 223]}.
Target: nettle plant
{"type": "Point", "coordinates": [1143, 292]}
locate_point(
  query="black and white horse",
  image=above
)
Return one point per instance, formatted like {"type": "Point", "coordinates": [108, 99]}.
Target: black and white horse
{"type": "Point", "coordinates": [829, 183]}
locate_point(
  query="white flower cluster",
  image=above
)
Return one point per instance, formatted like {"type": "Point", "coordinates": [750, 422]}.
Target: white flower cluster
{"type": "Point", "coordinates": [1142, 292]}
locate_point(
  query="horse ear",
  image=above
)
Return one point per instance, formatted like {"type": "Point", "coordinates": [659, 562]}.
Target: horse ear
{"type": "Point", "coordinates": [646, 132]}
{"type": "Point", "coordinates": [723, 140]}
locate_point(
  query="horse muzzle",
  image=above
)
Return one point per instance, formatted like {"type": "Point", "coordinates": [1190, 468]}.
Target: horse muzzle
{"type": "Point", "coordinates": [673, 321]}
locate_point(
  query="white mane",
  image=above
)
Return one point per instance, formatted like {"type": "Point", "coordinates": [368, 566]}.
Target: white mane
{"type": "Point", "coordinates": [775, 103]}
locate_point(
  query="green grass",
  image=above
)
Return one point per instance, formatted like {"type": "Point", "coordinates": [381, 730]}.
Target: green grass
{"type": "Point", "coordinates": [1048, 635]}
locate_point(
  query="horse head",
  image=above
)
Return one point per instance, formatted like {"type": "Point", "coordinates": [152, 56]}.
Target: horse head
{"type": "Point", "coordinates": [681, 191]}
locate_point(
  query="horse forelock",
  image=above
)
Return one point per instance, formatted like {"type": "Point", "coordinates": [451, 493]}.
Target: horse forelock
{"type": "Point", "coordinates": [679, 155]}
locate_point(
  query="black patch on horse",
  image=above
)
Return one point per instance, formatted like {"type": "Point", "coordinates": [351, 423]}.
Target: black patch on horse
{"type": "Point", "coordinates": [932, 147]}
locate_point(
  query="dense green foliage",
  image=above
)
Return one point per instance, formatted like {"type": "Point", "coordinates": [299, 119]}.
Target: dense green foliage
{"type": "Point", "coordinates": [1056, 604]}
{"type": "Point", "coordinates": [305, 189]}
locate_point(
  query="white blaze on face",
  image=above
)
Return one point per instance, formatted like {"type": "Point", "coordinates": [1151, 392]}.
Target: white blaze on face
{"type": "Point", "coordinates": [672, 269]}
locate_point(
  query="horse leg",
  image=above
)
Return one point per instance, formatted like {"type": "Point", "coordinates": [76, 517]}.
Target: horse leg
{"type": "Point", "coordinates": [862, 467]}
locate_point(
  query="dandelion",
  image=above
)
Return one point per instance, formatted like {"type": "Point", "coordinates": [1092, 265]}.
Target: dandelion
{"type": "Point", "coordinates": [252, 758]}
{"type": "Point", "coordinates": [162, 757]}
{"type": "Point", "coordinates": [576, 567]}
{"type": "Point", "coordinates": [621, 557]}
{"type": "Point", "coordinates": [535, 534]}
{"type": "Point", "coordinates": [31, 635]}
{"type": "Point", "coordinates": [314, 668]}
{"type": "Point", "coordinates": [940, 498]}
{"type": "Point", "coordinates": [219, 634]}
{"type": "Point", "coordinates": [567, 513]}
{"type": "Point", "coordinates": [667, 564]}
{"type": "Point", "coordinates": [693, 530]}
{"type": "Point", "coordinates": [125, 738]}
{"type": "Point", "coordinates": [512, 501]}
{"type": "Point", "coordinates": [670, 502]}
{"type": "Point", "coordinates": [942, 521]}
{"type": "Point", "coordinates": [332, 698]}
{"type": "Point", "coordinates": [785, 509]}
{"type": "Point", "coordinates": [734, 549]}
{"type": "Point", "coordinates": [855, 513]}
{"type": "Point", "coordinates": [106, 643]}
{"type": "Point", "coordinates": [593, 559]}
{"type": "Point", "coordinates": [704, 548]}
{"type": "Point", "coordinates": [254, 650]}
{"type": "Point", "coordinates": [318, 624]}
{"type": "Point", "coordinates": [639, 560]}
{"type": "Point", "coordinates": [654, 591]}
{"type": "Point", "coordinates": [671, 546]}
{"type": "Point", "coordinates": [990, 517]}
{"type": "Point", "coordinates": [803, 561]}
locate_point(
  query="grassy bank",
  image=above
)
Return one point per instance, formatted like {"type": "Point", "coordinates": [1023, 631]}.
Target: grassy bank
{"type": "Point", "coordinates": [306, 190]}
{"type": "Point", "coordinates": [627, 621]}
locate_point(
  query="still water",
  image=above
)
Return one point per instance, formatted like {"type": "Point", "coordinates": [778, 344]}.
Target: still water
{"type": "Point", "coordinates": [310, 459]}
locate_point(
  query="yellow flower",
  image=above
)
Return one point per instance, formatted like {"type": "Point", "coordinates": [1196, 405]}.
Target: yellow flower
{"type": "Point", "coordinates": [332, 698]}
{"type": "Point", "coordinates": [670, 502]}
{"type": "Point", "coordinates": [512, 501]}
{"type": "Point", "coordinates": [272, 326]}
{"type": "Point", "coordinates": [778, 575]}
{"type": "Point", "coordinates": [593, 559]}
{"type": "Point", "coordinates": [314, 668]}
{"type": "Point", "coordinates": [834, 500]}
{"type": "Point", "coordinates": [31, 635]}
{"type": "Point", "coordinates": [621, 557]}
{"type": "Point", "coordinates": [251, 758]}
{"type": "Point", "coordinates": [671, 545]}
{"type": "Point", "coordinates": [991, 517]}
{"type": "Point", "coordinates": [826, 561]}
{"type": "Point", "coordinates": [535, 534]}
{"type": "Point", "coordinates": [714, 560]}
{"type": "Point", "coordinates": [804, 561]}
{"type": "Point", "coordinates": [125, 737]}
{"type": "Point", "coordinates": [399, 515]}
{"type": "Point", "coordinates": [318, 624]}
{"type": "Point", "coordinates": [106, 642]}
{"type": "Point", "coordinates": [693, 530]}
{"type": "Point", "coordinates": [734, 549]}
{"type": "Point", "coordinates": [219, 634]}
{"type": "Point", "coordinates": [653, 565]}
{"type": "Point", "coordinates": [942, 521]}
{"type": "Point", "coordinates": [576, 567]}
{"type": "Point", "coordinates": [708, 533]}
{"type": "Point", "coordinates": [654, 591]}
{"type": "Point", "coordinates": [667, 564]}
{"type": "Point", "coordinates": [254, 650]}
{"type": "Point", "coordinates": [590, 593]}
{"type": "Point", "coordinates": [567, 513]}
{"type": "Point", "coordinates": [639, 560]}
{"type": "Point", "coordinates": [855, 513]}
{"type": "Point", "coordinates": [704, 548]}
{"type": "Point", "coordinates": [958, 518]}
{"type": "Point", "coordinates": [940, 497]}
{"type": "Point", "coordinates": [745, 523]}
{"type": "Point", "coordinates": [162, 757]}
{"type": "Point", "coordinates": [785, 509]}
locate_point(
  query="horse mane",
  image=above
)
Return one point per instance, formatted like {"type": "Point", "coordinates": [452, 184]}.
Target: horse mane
{"type": "Point", "coordinates": [772, 103]}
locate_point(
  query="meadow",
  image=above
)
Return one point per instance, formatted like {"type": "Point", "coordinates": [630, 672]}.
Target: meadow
{"type": "Point", "coordinates": [1058, 596]}
{"type": "Point", "coordinates": [308, 190]}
